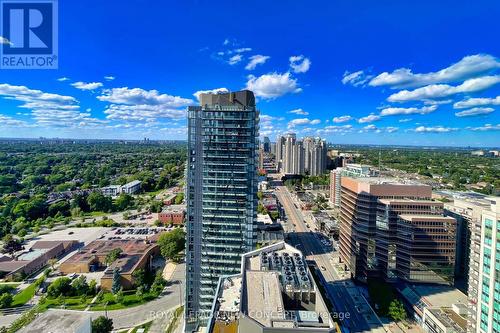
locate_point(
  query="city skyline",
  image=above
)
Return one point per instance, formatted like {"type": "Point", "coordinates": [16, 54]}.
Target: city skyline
{"type": "Point", "coordinates": [349, 81]}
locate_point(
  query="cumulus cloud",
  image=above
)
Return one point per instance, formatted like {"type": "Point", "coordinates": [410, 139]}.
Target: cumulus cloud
{"type": "Point", "coordinates": [299, 64]}
{"type": "Point", "coordinates": [49, 109]}
{"type": "Point", "coordinates": [468, 67]}
{"type": "Point", "coordinates": [138, 104]}
{"type": "Point", "coordinates": [437, 91]}
{"type": "Point", "coordinates": [299, 111]}
{"type": "Point", "coordinates": [87, 85]}
{"type": "Point", "coordinates": [370, 127]}
{"type": "Point", "coordinates": [109, 78]}
{"type": "Point", "coordinates": [434, 129]}
{"type": "Point", "coordinates": [359, 78]}
{"type": "Point", "coordinates": [368, 119]}
{"type": "Point", "coordinates": [473, 102]}
{"type": "Point", "coordinates": [213, 91]}
{"type": "Point", "coordinates": [272, 85]}
{"type": "Point", "coordinates": [334, 129]}
{"type": "Point", "coordinates": [7, 121]}
{"type": "Point", "coordinates": [62, 79]}
{"type": "Point", "coordinates": [255, 60]}
{"type": "Point", "coordinates": [486, 127]}
{"type": "Point", "coordinates": [477, 111]}
{"type": "Point", "coordinates": [391, 129]}
{"type": "Point", "coordinates": [235, 59]}
{"type": "Point", "coordinates": [302, 121]}
{"type": "Point", "coordinates": [342, 119]}
{"type": "Point", "coordinates": [398, 111]}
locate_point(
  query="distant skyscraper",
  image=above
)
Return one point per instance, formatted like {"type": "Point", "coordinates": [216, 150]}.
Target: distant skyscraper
{"type": "Point", "coordinates": [299, 157]}
{"type": "Point", "coordinates": [221, 194]}
{"type": "Point", "coordinates": [266, 144]}
{"type": "Point", "coordinates": [395, 231]}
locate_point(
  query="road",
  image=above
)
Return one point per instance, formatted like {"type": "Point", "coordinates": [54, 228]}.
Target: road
{"type": "Point", "coordinates": [336, 286]}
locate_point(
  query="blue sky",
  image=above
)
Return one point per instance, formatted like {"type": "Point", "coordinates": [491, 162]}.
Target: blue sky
{"type": "Point", "coordinates": [385, 72]}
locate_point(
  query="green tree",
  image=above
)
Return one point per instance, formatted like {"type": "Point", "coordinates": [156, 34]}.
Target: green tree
{"type": "Point", "coordinates": [5, 300]}
{"type": "Point", "coordinates": [92, 287]}
{"type": "Point", "coordinates": [179, 198]}
{"type": "Point", "coordinates": [139, 278]}
{"type": "Point", "coordinates": [119, 297]}
{"type": "Point", "coordinates": [80, 286]}
{"type": "Point", "coordinates": [112, 256]}
{"type": "Point", "coordinates": [397, 311]}
{"type": "Point", "coordinates": [60, 287]}
{"type": "Point", "coordinates": [172, 243]}
{"type": "Point", "coordinates": [102, 325]}
{"type": "Point", "coordinates": [124, 201]}
{"type": "Point", "coordinates": [117, 284]}
{"type": "Point", "coordinates": [99, 202]}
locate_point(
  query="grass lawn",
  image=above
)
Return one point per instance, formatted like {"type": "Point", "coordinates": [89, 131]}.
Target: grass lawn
{"type": "Point", "coordinates": [72, 303]}
{"type": "Point", "coordinates": [24, 296]}
{"type": "Point", "coordinates": [381, 294]}
{"type": "Point", "coordinates": [129, 299]}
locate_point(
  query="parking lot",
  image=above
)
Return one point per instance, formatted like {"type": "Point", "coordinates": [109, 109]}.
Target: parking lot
{"type": "Point", "coordinates": [133, 233]}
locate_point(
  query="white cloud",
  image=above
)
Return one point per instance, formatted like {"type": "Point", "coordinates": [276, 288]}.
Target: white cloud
{"type": "Point", "coordinates": [62, 79]}
{"type": "Point", "coordinates": [235, 59]}
{"type": "Point", "coordinates": [342, 119]}
{"type": "Point", "coordinates": [474, 112]}
{"type": "Point", "coordinates": [7, 121]}
{"type": "Point", "coordinates": [391, 129]}
{"type": "Point", "coordinates": [138, 104]}
{"type": "Point", "coordinates": [255, 60]}
{"type": "Point", "coordinates": [434, 129]}
{"type": "Point", "coordinates": [398, 111]}
{"type": "Point", "coordinates": [356, 79]}
{"type": "Point", "coordinates": [213, 91]}
{"type": "Point", "coordinates": [334, 130]}
{"type": "Point", "coordinates": [486, 127]}
{"type": "Point", "coordinates": [368, 119]}
{"type": "Point", "coordinates": [242, 50]}
{"type": "Point", "coordinates": [299, 64]}
{"type": "Point", "coordinates": [299, 111]}
{"type": "Point", "coordinates": [87, 85]}
{"type": "Point", "coordinates": [109, 78]}
{"type": "Point", "coordinates": [226, 41]}
{"type": "Point", "coordinates": [472, 102]}
{"type": "Point", "coordinates": [468, 67]}
{"type": "Point", "coordinates": [138, 96]}
{"type": "Point", "coordinates": [302, 121]}
{"type": "Point", "coordinates": [370, 127]}
{"type": "Point", "coordinates": [405, 120]}
{"type": "Point", "coordinates": [444, 90]}
{"type": "Point", "coordinates": [272, 85]}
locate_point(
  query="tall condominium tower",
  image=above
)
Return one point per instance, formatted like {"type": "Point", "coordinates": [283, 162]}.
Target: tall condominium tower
{"type": "Point", "coordinates": [488, 289]}
{"type": "Point", "coordinates": [222, 194]}
{"type": "Point", "coordinates": [395, 231]}
{"type": "Point", "coordinates": [300, 156]}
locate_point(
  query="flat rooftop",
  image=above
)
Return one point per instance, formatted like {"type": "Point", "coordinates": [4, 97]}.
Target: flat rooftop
{"type": "Point", "coordinates": [264, 297]}
{"type": "Point", "coordinates": [103, 247]}
{"type": "Point", "coordinates": [388, 180]}
{"type": "Point", "coordinates": [440, 296]}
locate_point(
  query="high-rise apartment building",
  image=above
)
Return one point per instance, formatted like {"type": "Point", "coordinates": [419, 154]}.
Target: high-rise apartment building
{"type": "Point", "coordinates": [394, 230]}
{"type": "Point", "coordinates": [468, 211]}
{"type": "Point", "coordinates": [296, 157]}
{"type": "Point", "coordinates": [488, 289]}
{"type": "Point", "coordinates": [350, 170]}
{"type": "Point", "coordinates": [221, 194]}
